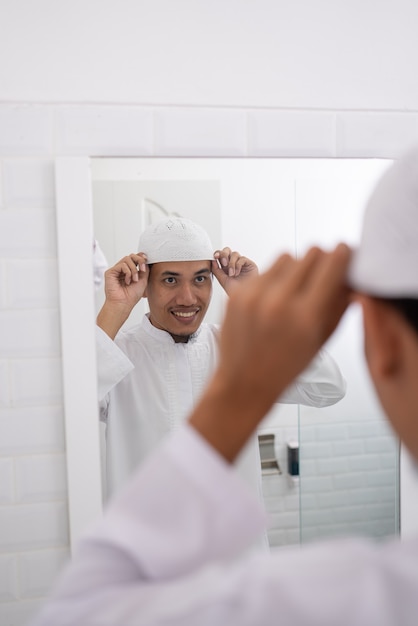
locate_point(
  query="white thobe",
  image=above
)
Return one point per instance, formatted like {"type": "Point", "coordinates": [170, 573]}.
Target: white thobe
{"type": "Point", "coordinates": [165, 554]}
{"type": "Point", "coordinates": [148, 385]}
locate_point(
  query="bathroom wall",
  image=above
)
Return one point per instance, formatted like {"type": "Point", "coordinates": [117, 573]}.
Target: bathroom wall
{"type": "Point", "coordinates": [255, 78]}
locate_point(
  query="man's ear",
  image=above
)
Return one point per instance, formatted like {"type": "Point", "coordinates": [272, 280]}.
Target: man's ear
{"type": "Point", "coordinates": [382, 339]}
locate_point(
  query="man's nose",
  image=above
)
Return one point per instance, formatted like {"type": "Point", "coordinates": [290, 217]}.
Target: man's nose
{"type": "Point", "coordinates": [186, 295]}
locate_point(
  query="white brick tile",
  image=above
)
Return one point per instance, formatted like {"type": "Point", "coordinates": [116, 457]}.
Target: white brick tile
{"type": "Point", "coordinates": [308, 501]}
{"type": "Point", "coordinates": [331, 500]}
{"type": "Point", "coordinates": [348, 448]}
{"type": "Point", "coordinates": [8, 578]}
{"type": "Point", "coordinates": [381, 444]}
{"type": "Point", "coordinates": [5, 388]}
{"type": "Point", "coordinates": [307, 467]}
{"type": "Point", "coordinates": [389, 460]}
{"type": "Point", "coordinates": [288, 519]}
{"type": "Point", "coordinates": [384, 135]}
{"type": "Point", "coordinates": [307, 433]}
{"type": "Point", "coordinates": [19, 613]}
{"type": "Point", "coordinates": [312, 484]}
{"type": "Point", "coordinates": [291, 133]}
{"type": "Point", "coordinates": [38, 571]}
{"type": "Point", "coordinates": [381, 510]}
{"type": "Point", "coordinates": [280, 418]}
{"type": "Point", "coordinates": [274, 485]}
{"type": "Point", "coordinates": [331, 432]}
{"type": "Point", "coordinates": [29, 333]}
{"type": "Point", "coordinates": [40, 478]}
{"type": "Point", "coordinates": [25, 130]}
{"type": "Point", "coordinates": [350, 514]}
{"type": "Point", "coordinates": [369, 495]}
{"type": "Point", "coordinates": [31, 431]}
{"type": "Point", "coordinates": [36, 382]}
{"type": "Point", "coordinates": [275, 504]}
{"type": "Point", "coordinates": [349, 481]}
{"type": "Point", "coordinates": [316, 517]}
{"type": "Point", "coordinates": [201, 132]}
{"type": "Point", "coordinates": [292, 536]}
{"type": "Point", "coordinates": [31, 283]}
{"type": "Point", "coordinates": [34, 526]}
{"type": "Point", "coordinates": [277, 538]}
{"type": "Point", "coordinates": [6, 481]}
{"type": "Point", "coordinates": [27, 233]}
{"type": "Point", "coordinates": [28, 183]}
{"type": "Point", "coordinates": [383, 477]}
{"type": "Point", "coordinates": [364, 430]}
{"type": "Point", "coordinates": [104, 131]}
{"type": "Point", "coordinates": [365, 463]}
{"type": "Point", "coordinates": [314, 450]}
{"type": "Point", "coordinates": [332, 465]}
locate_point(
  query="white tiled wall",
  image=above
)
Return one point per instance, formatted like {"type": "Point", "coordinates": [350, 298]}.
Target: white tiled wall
{"type": "Point", "coordinates": [33, 523]}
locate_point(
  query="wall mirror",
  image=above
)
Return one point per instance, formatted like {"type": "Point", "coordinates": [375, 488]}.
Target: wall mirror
{"type": "Point", "coordinates": [349, 478]}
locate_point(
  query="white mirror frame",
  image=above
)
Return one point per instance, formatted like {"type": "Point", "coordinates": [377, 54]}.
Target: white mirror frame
{"type": "Point", "coordinates": [75, 249]}
{"type": "Point", "coordinates": [75, 237]}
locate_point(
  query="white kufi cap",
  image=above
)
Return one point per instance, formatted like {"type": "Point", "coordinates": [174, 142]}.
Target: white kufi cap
{"type": "Point", "coordinates": [175, 239]}
{"type": "Point", "coordinates": [386, 261]}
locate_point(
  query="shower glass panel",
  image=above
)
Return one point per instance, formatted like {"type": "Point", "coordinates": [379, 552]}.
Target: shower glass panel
{"type": "Point", "coordinates": [349, 458]}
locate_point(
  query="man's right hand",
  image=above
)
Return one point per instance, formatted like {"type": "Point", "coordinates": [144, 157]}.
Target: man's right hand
{"type": "Point", "coordinates": [125, 284]}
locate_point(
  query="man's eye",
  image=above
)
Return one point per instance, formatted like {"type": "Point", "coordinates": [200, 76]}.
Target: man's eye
{"type": "Point", "coordinates": [200, 279]}
{"type": "Point", "coordinates": [170, 280]}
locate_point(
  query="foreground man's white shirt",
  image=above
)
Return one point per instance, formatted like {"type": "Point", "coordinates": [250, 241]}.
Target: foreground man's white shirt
{"type": "Point", "coordinates": [165, 553]}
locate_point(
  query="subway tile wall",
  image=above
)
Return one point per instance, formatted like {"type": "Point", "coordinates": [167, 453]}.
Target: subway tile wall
{"type": "Point", "coordinates": [34, 542]}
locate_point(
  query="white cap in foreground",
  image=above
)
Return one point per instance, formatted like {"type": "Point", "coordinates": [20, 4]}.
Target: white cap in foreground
{"type": "Point", "coordinates": [386, 261]}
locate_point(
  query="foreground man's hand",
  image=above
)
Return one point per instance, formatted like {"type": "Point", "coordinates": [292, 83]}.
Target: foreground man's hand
{"type": "Point", "coordinates": [274, 325]}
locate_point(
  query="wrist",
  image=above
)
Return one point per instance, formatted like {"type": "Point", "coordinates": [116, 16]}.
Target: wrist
{"type": "Point", "coordinates": [111, 318]}
{"type": "Point", "coordinates": [227, 419]}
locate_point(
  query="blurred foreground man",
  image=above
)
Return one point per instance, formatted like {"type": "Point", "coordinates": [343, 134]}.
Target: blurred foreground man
{"type": "Point", "coordinates": [166, 550]}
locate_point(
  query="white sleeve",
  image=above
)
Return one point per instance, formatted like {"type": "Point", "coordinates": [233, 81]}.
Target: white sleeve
{"type": "Point", "coordinates": [320, 384]}
{"type": "Point", "coordinates": [163, 555]}
{"type": "Point", "coordinates": [112, 363]}
{"type": "Point", "coordinates": [184, 508]}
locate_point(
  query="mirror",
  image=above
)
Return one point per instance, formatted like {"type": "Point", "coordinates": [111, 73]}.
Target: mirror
{"type": "Point", "coordinates": [348, 459]}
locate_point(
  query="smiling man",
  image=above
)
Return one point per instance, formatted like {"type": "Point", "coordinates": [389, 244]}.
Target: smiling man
{"type": "Point", "coordinates": [151, 376]}
{"type": "Point", "coordinates": [178, 295]}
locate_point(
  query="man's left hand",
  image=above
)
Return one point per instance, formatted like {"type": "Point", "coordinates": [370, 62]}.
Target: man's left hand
{"type": "Point", "coordinates": [230, 268]}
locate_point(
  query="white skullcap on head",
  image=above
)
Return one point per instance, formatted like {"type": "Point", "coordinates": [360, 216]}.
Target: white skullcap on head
{"type": "Point", "coordinates": [175, 239]}
{"type": "Point", "coordinates": [386, 261]}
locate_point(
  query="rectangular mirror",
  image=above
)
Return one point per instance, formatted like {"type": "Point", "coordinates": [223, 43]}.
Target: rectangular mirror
{"type": "Point", "coordinates": [348, 479]}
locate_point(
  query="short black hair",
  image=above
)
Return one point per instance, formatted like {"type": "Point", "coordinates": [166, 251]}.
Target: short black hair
{"type": "Point", "coordinates": [407, 307]}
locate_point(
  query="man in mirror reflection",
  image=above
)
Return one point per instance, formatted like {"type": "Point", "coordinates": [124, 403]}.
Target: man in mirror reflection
{"type": "Point", "coordinates": [169, 549]}
{"type": "Point", "coordinates": [152, 375]}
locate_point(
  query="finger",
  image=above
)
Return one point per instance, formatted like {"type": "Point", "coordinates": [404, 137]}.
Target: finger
{"type": "Point", "coordinates": [130, 266]}
{"type": "Point", "coordinates": [241, 263]}
{"type": "Point", "coordinates": [327, 293]}
{"type": "Point", "coordinates": [284, 282]}
{"type": "Point", "coordinates": [140, 264]}
{"type": "Point", "coordinates": [277, 272]}
{"type": "Point", "coordinates": [140, 260]}
{"type": "Point", "coordinates": [223, 256]}
{"type": "Point", "coordinates": [317, 285]}
{"type": "Point", "coordinates": [232, 263]}
{"type": "Point", "coordinates": [125, 272]}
